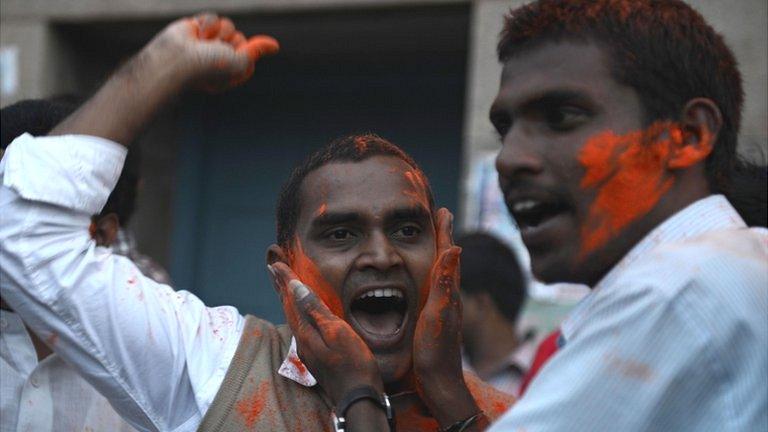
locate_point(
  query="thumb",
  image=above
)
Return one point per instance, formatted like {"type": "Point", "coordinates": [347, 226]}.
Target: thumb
{"type": "Point", "coordinates": [258, 46]}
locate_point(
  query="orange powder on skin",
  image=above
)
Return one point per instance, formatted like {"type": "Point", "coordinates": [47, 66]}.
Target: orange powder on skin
{"type": "Point", "coordinates": [321, 210]}
{"type": "Point", "coordinates": [310, 275]}
{"type": "Point", "coordinates": [629, 173]}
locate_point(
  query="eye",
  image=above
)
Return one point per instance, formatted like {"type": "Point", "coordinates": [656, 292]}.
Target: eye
{"type": "Point", "coordinates": [501, 122]}
{"type": "Point", "coordinates": [564, 117]}
{"type": "Point", "coordinates": [340, 234]}
{"type": "Point", "coordinates": [407, 232]}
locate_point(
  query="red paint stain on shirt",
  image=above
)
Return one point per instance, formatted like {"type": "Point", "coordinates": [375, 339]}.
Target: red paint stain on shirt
{"type": "Point", "coordinates": [310, 275]}
{"type": "Point", "coordinates": [300, 368]}
{"type": "Point", "coordinates": [251, 407]}
{"type": "Point", "coordinates": [629, 173]}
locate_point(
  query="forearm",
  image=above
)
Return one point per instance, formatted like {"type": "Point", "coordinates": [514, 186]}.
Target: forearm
{"type": "Point", "coordinates": [449, 401]}
{"type": "Point", "coordinates": [366, 416]}
{"type": "Point", "coordinates": [128, 101]}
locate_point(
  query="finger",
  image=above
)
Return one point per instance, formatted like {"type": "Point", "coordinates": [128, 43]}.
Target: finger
{"type": "Point", "coordinates": [445, 281]}
{"type": "Point", "coordinates": [258, 46]}
{"type": "Point", "coordinates": [296, 295]}
{"type": "Point", "coordinates": [444, 230]}
{"type": "Point", "coordinates": [208, 24]}
{"type": "Point", "coordinates": [226, 29]}
{"type": "Point", "coordinates": [237, 39]}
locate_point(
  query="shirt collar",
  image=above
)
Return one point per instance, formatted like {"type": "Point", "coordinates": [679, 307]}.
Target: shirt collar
{"type": "Point", "coordinates": [712, 213]}
{"type": "Point", "coordinates": [293, 368]}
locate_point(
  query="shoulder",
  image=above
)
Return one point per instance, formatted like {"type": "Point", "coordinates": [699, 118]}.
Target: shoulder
{"type": "Point", "coordinates": [491, 401]}
{"type": "Point", "coordinates": [711, 284]}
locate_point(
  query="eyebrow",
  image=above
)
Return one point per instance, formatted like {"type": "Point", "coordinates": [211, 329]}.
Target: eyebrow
{"type": "Point", "coordinates": [403, 213]}
{"type": "Point", "coordinates": [537, 100]}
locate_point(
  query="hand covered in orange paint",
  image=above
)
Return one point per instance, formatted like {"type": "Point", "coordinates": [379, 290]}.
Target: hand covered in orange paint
{"type": "Point", "coordinates": [213, 54]}
{"type": "Point", "coordinates": [437, 339]}
{"type": "Point", "coordinates": [335, 355]}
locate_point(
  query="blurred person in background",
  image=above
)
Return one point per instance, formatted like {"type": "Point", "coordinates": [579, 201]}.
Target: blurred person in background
{"type": "Point", "coordinates": [493, 293]}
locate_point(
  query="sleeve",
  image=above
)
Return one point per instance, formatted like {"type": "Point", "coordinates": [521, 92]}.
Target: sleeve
{"type": "Point", "coordinates": [158, 355]}
{"type": "Point", "coordinates": [617, 372]}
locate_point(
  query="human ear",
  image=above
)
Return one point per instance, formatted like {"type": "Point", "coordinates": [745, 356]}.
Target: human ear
{"type": "Point", "coordinates": [700, 125]}
{"type": "Point", "coordinates": [104, 229]}
{"type": "Point", "coordinates": [276, 253]}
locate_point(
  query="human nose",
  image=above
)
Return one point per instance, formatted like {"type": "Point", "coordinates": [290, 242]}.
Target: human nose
{"type": "Point", "coordinates": [378, 253]}
{"type": "Point", "coordinates": [518, 156]}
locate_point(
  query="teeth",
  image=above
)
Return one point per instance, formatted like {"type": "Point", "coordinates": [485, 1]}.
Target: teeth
{"type": "Point", "coordinates": [385, 292]}
{"type": "Point", "coordinates": [524, 205]}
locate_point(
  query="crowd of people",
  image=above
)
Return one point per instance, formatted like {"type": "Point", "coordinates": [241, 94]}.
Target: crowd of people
{"type": "Point", "coordinates": [618, 122]}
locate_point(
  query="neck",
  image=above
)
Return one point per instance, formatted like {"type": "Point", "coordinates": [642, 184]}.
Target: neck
{"type": "Point", "coordinates": [491, 346]}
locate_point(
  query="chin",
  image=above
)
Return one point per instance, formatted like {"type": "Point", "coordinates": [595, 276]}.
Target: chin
{"type": "Point", "coordinates": [394, 367]}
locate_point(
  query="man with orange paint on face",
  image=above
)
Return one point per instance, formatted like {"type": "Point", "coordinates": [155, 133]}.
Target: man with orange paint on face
{"type": "Point", "coordinates": [365, 266]}
{"type": "Point", "coordinates": [618, 121]}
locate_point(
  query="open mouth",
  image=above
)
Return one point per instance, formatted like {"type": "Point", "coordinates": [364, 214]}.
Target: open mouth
{"type": "Point", "coordinates": [530, 213]}
{"type": "Point", "coordinates": [381, 314]}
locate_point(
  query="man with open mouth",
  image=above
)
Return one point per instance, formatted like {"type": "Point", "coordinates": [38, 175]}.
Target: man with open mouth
{"type": "Point", "coordinates": [618, 122]}
{"type": "Point", "coordinates": [377, 337]}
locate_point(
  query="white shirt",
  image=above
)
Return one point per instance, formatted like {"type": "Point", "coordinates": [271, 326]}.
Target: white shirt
{"type": "Point", "coordinates": [673, 338]}
{"type": "Point", "coordinates": [47, 395]}
{"type": "Point", "coordinates": [158, 355]}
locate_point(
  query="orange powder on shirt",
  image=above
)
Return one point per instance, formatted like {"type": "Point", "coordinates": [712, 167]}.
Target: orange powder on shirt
{"type": "Point", "coordinates": [310, 275]}
{"type": "Point", "coordinates": [300, 368]}
{"type": "Point", "coordinates": [250, 408]}
{"type": "Point", "coordinates": [629, 173]}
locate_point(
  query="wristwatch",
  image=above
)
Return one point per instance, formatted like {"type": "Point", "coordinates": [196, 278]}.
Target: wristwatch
{"type": "Point", "coordinates": [356, 395]}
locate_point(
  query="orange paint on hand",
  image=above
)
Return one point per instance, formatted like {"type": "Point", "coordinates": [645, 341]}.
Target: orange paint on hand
{"type": "Point", "coordinates": [250, 408]}
{"type": "Point", "coordinates": [310, 275]}
{"type": "Point", "coordinates": [629, 173]}
{"type": "Point", "coordinates": [258, 46]}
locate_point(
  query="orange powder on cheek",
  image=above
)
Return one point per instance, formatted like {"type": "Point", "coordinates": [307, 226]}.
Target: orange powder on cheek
{"type": "Point", "coordinates": [308, 272]}
{"type": "Point", "coordinates": [629, 173]}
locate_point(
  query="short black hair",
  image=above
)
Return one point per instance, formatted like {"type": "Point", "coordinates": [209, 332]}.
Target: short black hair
{"type": "Point", "coordinates": [490, 266]}
{"type": "Point", "coordinates": [664, 49]}
{"type": "Point", "coordinates": [39, 116]}
{"type": "Point", "coordinates": [350, 148]}
{"type": "Point", "coordinates": [749, 194]}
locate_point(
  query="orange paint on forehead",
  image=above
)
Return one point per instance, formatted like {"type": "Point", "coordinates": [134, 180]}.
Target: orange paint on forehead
{"type": "Point", "coordinates": [629, 173]}
{"type": "Point", "coordinates": [307, 271]}
{"type": "Point", "coordinates": [418, 187]}
{"type": "Point", "coordinates": [321, 210]}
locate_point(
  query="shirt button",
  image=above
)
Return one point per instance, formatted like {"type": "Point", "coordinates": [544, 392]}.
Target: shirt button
{"type": "Point", "coordinates": [35, 382]}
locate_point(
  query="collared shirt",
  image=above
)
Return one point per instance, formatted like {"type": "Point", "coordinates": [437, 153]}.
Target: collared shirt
{"type": "Point", "coordinates": [673, 338]}
{"type": "Point", "coordinates": [105, 317]}
{"type": "Point", "coordinates": [47, 395]}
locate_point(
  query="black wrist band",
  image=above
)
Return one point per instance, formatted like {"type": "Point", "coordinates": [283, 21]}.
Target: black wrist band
{"type": "Point", "coordinates": [356, 395]}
